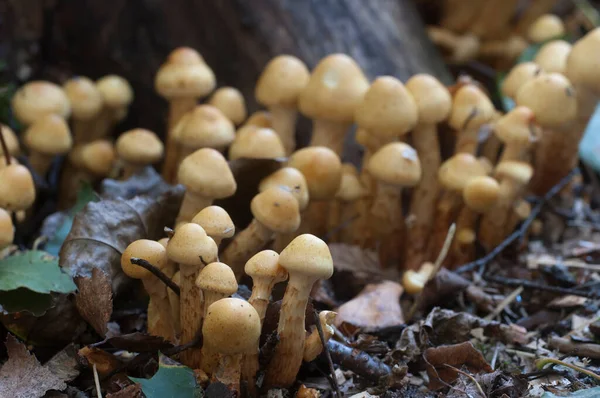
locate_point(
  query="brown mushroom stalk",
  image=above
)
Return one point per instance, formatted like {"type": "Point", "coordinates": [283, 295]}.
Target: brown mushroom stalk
{"type": "Point", "coordinates": [174, 304]}
{"type": "Point", "coordinates": [117, 95]}
{"type": "Point", "coordinates": [313, 346]}
{"type": "Point", "coordinates": [460, 48]}
{"type": "Point", "coordinates": [86, 104]}
{"type": "Point", "coordinates": [46, 138]}
{"type": "Point", "coordinates": [341, 208]}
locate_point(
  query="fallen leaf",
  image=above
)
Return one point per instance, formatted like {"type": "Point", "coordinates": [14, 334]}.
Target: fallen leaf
{"type": "Point", "coordinates": [568, 301]}
{"type": "Point", "coordinates": [501, 384]}
{"type": "Point", "coordinates": [376, 307]}
{"type": "Point", "coordinates": [105, 362]}
{"type": "Point", "coordinates": [23, 376]}
{"type": "Point", "coordinates": [139, 342]}
{"type": "Point", "coordinates": [146, 182]}
{"type": "Point", "coordinates": [588, 393]}
{"type": "Point", "coordinates": [64, 363]}
{"type": "Point", "coordinates": [132, 391]}
{"type": "Point", "coordinates": [171, 380]}
{"type": "Point", "coordinates": [94, 300]}
{"type": "Point", "coordinates": [442, 362]}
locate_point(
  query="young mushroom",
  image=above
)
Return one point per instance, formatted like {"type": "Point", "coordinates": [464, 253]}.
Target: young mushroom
{"type": "Point", "coordinates": [46, 138]}
{"type": "Point", "coordinates": [518, 76]}
{"type": "Point", "coordinates": [86, 104]}
{"type": "Point", "coordinates": [518, 131]}
{"type": "Point", "coordinates": [278, 89]}
{"type": "Point", "coordinates": [117, 95]}
{"type": "Point", "coordinates": [471, 109]}
{"type": "Point", "coordinates": [216, 222]}
{"type": "Point", "coordinates": [260, 119]}
{"type": "Point", "coordinates": [253, 142]}
{"type": "Point", "coordinates": [342, 208]}
{"type": "Point", "coordinates": [7, 229]}
{"type": "Point", "coordinates": [11, 141]}
{"type": "Point", "coordinates": [313, 346]}
{"type": "Point", "coordinates": [413, 281]}
{"type": "Point", "coordinates": [97, 158]}
{"type": "Point", "coordinates": [552, 56]}
{"type": "Point", "coordinates": [231, 103]}
{"type": "Point", "coordinates": [37, 99]}
{"type": "Point", "coordinates": [307, 260]}
{"type": "Point", "coordinates": [137, 149]}
{"type": "Point", "coordinates": [17, 189]}
{"type": "Point", "coordinates": [544, 28]}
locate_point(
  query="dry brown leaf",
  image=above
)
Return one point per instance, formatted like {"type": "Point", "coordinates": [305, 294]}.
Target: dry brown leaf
{"type": "Point", "coordinates": [568, 301]}
{"type": "Point", "coordinates": [376, 307]}
{"type": "Point", "coordinates": [132, 391]}
{"type": "Point", "coordinates": [104, 361]}
{"type": "Point", "coordinates": [94, 300]}
{"type": "Point", "coordinates": [443, 361]}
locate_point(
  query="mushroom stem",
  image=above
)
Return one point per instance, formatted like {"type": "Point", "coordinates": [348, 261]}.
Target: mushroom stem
{"type": "Point", "coordinates": [191, 205]}
{"type": "Point", "coordinates": [446, 211]}
{"type": "Point", "coordinates": [463, 249]}
{"type": "Point", "coordinates": [190, 307]}
{"type": "Point", "coordinates": [491, 230]}
{"type": "Point", "coordinates": [316, 218]}
{"type": "Point", "coordinates": [244, 245]}
{"type": "Point", "coordinates": [329, 134]}
{"type": "Point", "coordinates": [162, 325]}
{"type": "Point", "coordinates": [104, 123]}
{"type": "Point", "coordinates": [40, 162]}
{"type": "Point", "coordinates": [174, 304]}
{"type": "Point", "coordinates": [130, 169]}
{"type": "Point", "coordinates": [211, 297]}
{"type": "Point", "coordinates": [284, 123]}
{"type": "Point", "coordinates": [229, 371]}
{"type": "Point", "coordinates": [520, 211]}
{"type": "Point", "coordinates": [334, 219]}
{"type": "Point", "coordinates": [467, 140]}
{"type": "Point", "coordinates": [386, 217]}
{"type": "Point", "coordinates": [491, 149]}
{"type": "Point", "coordinates": [313, 346]}
{"type": "Point", "coordinates": [178, 107]}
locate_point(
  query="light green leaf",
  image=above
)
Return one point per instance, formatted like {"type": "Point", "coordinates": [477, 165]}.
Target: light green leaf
{"type": "Point", "coordinates": [171, 381]}
{"type": "Point", "coordinates": [35, 270]}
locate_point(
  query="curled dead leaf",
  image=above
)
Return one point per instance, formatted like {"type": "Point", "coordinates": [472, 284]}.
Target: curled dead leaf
{"type": "Point", "coordinates": [94, 300]}
{"type": "Point", "coordinates": [139, 342]}
{"type": "Point", "coordinates": [104, 361]}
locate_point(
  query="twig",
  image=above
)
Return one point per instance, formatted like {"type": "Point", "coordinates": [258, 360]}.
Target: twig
{"type": "Point", "coordinates": [567, 346]}
{"type": "Point", "coordinates": [504, 303]}
{"type": "Point", "coordinates": [470, 377]}
{"type": "Point", "coordinates": [358, 361]}
{"type": "Point", "coordinates": [540, 363]}
{"type": "Point", "coordinates": [97, 381]}
{"type": "Point", "coordinates": [495, 357]}
{"type": "Point", "coordinates": [538, 286]}
{"type": "Point", "coordinates": [333, 381]}
{"type": "Point", "coordinates": [156, 272]}
{"type": "Point", "coordinates": [519, 233]}
{"type": "Point", "coordinates": [4, 147]}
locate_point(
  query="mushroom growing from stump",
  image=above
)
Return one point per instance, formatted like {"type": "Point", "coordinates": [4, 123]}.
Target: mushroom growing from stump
{"type": "Point", "coordinates": [47, 138]}
{"type": "Point", "coordinates": [37, 99]}
{"type": "Point", "coordinates": [253, 142]}
{"type": "Point", "coordinates": [86, 104]}
{"type": "Point", "coordinates": [216, 222]}
{"type": "Point", "coordinates": [137, 149]}
{"type": "Point", "coordinates": [231, 103]}
{"type": "Point", "coordinates": [7, 229]}
{"type": "Point", "coordinates": [117, 95]}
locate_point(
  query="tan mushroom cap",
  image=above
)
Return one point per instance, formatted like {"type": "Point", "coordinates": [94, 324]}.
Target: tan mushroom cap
{"type": "Point", "coordinates": [85, 98]}
{"type": "Point", "coordinates": [519, 172]}
{"type": "Point", "coordinates": [260, 119]}
{"type": "Point", "coordinates": [552, 57]}
{"type": "Point", "coordinates": [216, 222]}
{"type": "Point", "coordinates": [582, 68]}
{"type": "Point", "coordinates": [217, 277]}
{"type": "Point", "coordinates": [148, 250]}
{"type": "Point", "coordinates": [481, 193]}
{"type": "Point", "coordinates": [140, 147]}
{"type": "Point", "coordinates": [232, 326]}
{"type": "Point", "coordinates": [387, 108]}
{"type": "Point", "coordinates": [518, 76]}
{"type": "Point", "coordinates": [517, 126]}
{"type": "Point", "coordinates": [7, 229]}
{"type": "Point", "coordinates": [307, 256]}
{"type": "Point", "coordinates": [277, 209]}
{"type": "Point", "coordinates": [11, 140]}
{"type": "Point", "coordinates": [351, 188]}
{"type": "Point", "coordinates": [396, 163]}
{"type": "Point", "coordinates": [456, 172]}
{"type": "Point", "coordinates": [17, 190]}
{"type": "Point", "coordinates": [551, 98]}
{"type": "Point", "coordinates": [39, 98]}
{"type": "Point", "coordinates": [3, 164]}
{"type": "Point", "coordinates": [204, 127]}
{"type": "Point", "coordinates": [470, 107]}
{"type": "Point", "coordinates": [486, 164]}
{"type": "Point", "coordinates": [116, 91]}
{"type": "Point", "coordinates": [265, 264]}
{"type": "Point", "coordinates": [190, 245]}
{"type": "Point", "coordinates": [336, 87]}
{"type": "Point", "coordinates": [291, 178]}
{"type": "Point", "coordinates": [49, 135]}
{"type": "Point", "coordinates": [321, 168]}
{"type": "Point", "coordinates": [98, 157]}
{"type": "Point", "coordinates": [231, 103]}
{"type": "Point", "coordinates": [206, 173]}
{"type": "Point", "coordinates": [546, 27]}
{"type": "Point", "coordinates": [432, 98]}
{"type": "Point", "coordinates": [184, 74]}
{"type": "Point", "coordinates": [256, 143]}
{"type": "Point", "coordinates": [281, 82]}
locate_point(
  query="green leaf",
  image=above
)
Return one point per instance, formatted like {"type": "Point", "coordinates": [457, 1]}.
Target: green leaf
{"type": "Point", "coordinates": [589, 393]}
{"type": "Point", "coordinates": [171, 381]}
{"type": "Point", "coordinates": [22, 299]}
{"type": "Point", "coordinates": [35, 270]}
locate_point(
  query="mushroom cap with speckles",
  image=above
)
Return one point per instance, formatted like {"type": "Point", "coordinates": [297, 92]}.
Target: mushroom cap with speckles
{"type": "Point", "coordinates": [470, 107]}
{"type": "Point", "coordinates": [49, 135]}
{"type": "Point", "coordinates": [149, 250]}
{"type": "Point", "coordinates": [481, 193]}
{"type": "Point", "coordinates": [307, 256]}
{"type": "Point", "coordinates": [456, 172]}
{"type": "Point", "coordinates": [432, 98]}
{"type": "Point", "coordinates": [140, 147]}
{"type": "Point", "coordinates": [291, 178]}
{"type": "Point", "coordinates": [396, 163]}
{"type": "Point", "coordinates": [204, 127]}
{"type": "Point", "coordinates": [218, 278]}
{"type": "Point", "coordinates": [277, 209]}
{"type": "Point", "coordinates": [265, 264]}
{"type": "Point", "coordinates": [184, 74]}
{"type": "Point", "coordinates": [552, 56]}
{"type": "Point", "coordinates": [190, 245]}
{"type": "Point", "coordinates": [254, 142]}
{"type": "Point", "coordinates": [98, 157]}
{"type": "Point", "coordinates": [546, 27]}
{"type": "Point", "coordinates": [518, 76]}
{"type": "Point", "coordinates": [39, 98]}
{"type": "Point", "coordinates": [231, 103]}
{"type": "Point", "coordinates": [281, 82]}
{"type": "Point", "coordinates": [260, 119]}
{"type": "Point", "coordinates": [216, 222]}
{"type": "Point", "coordinates": [321, 168]}
{"type": "Point", "coordinates": [206, 173]}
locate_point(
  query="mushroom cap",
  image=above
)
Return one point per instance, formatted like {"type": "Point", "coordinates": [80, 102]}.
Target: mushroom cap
{"type": "Point", "coordinates": [260, 119]}
{"type": "Point", "coordinates": [85, 98]}
{"type": "Point", "coordinates": [552, 56]}
{"type": "Point", "coordinates": [432, 98]}
{"type": "Point", "coordinates": [116, 91]}
{"type": "Point", "coordinates": [204, 127]}
{"type": "Point", "coordinates": [140, 147]}
{"type": "Point", "coordinates": [481, 193]}
{"type": "Point", "coordinates": [3, 164]}
{"type": "Point", "coordinates": [396, 163]}
{"type": "Point", "coordinates": [218, 278]}
{"type": "Point", "coordinates": [256, 143]}
{"type": "Point", "coordinates": [184, 74]}
{"type": "Point", "coordinates": [517, 127]}
{"type": "Point", "coordinates": [265, 264]}
{"type": "Point", "coordinates": [216, 222]}
{"type": "Point", "coordinates": [7, 229]}
{"type": "Point", "coordinates": [39, 98]}
{"type": "Point", "coordinates": [232, 326]}
{"type": "Point", "coordinates": [582, 68]}
{"type": "Point", "coordinates": [11, 140]}
{"type": "Point", "coordinates": [486, 164]}
{"type": "Point", "coordinates": [335, 88]}
{"type": "Point", "coordinates": [321, 168]}
{"type": "Point", "coordinates": [351, 188]}
{"type": "Point", "coordinates": [231, 103]}
{"type": "Point", "coordinates": [206, 173]}
{"type": "Point", "coordinates": [49, 135]}
{"type": "Point", "coordinates": [17, 190]}
{"type": "Point", "coordinates": [551, 98]}
{"type": "Point", "coordinates": [519, 172]}
{"type": "Point", "coordinates": [277, 209]}
{"type": "Point", "coordinates": [518, 76]}
{"type": "Point", "coordinates": [281, 82]}
{"type": "Point", "coordinates": [291, 178]}
{"type": "Point", "coordinates": [387, 108]}
{"type": "Point", "coordinates": [307, 256]}
{"type": "Point", "coordinates": [98, 157]}
{"type": "Point", "coordinates": [456, 172]}
{"type": "Point", "coordinates": [471, 108]}
{"type": "Point", "coordinates": [164, 242]}
{"type": "Point", "coordinates": [545, 27]}
{"type": "Point", "coordinates": [190, 245]}
{"type": "Point", "coordinates": [149, 250]}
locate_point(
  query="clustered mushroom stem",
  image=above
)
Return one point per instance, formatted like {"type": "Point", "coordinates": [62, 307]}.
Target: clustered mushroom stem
{"type": "Point", "coordinates": [190, 312]}
{"type": "Point", "coordinates": [491, 231]}
{"type": "Point", "coordinates": [284, 124]}
{"type": "Point", "coordinates": [468, 139]}
{"type": "Point", "coordinates": [329, 134]}
{"type": "Point", "coordinates": [40, 162]}
{"type": "Point", "coordinates": [447, 209]}
{"type": "Point", "coordinates": [229, 371]}
{"type": "Point", "coordinates": [164, 325]}
{"type": "Point", "coordinates": [491, 149]}
{"type": "Point", "coordinates": [7, 157]}
{"type": "Point", "coordinates": [177, 108]}
{"type": "Point", "coordinates": [386, 210]}
{"type": "Point", "coordinates": [191, 205]}
{"type": "Point", "coordinates": [462, 248]}
{"type": "Point", "coordinates": [244, 245]}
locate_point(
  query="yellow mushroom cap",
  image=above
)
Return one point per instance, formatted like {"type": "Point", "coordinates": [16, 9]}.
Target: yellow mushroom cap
{"type": "Point", "coordinates": [11, 140]}
{"type": "Point", "coordinates": [206, 173]}
{"type": "Point", "coordinates": [277, 209]}
{"type": "Point", "coordinates": [39, 98]}
{"type": "Point", "coordinates": [190, 245]}
{"type": "Point", "coordinates": [546, 27]}
{"type": "Point", "coordinates": [518, 76]}
{"type": "Point", "coordinates": [471, 107]}
{"type": "Point", "coordinates": [265, 264]}
{"type": "Point", "coordinates": [184, 74]}
{"type": "Point", "coordinates": [281, 82]}
{"type": "Point", "coordinates": [582, 68]}
{"type": "Point", "coordinates": [148, 250]}
{"type": "Point", "coordinates": [85, 98]}
{"type": "Point", "coordinates": [260, 119]}
{"type": "Point", "coordinates": [481, 193]}
{"type": "Point", "coordinates": [231, 103]}
{"type": "Point", "coordinates": [256, 143]}
{"type": "Point", "coordinates": [396, 163]}
{"type": "Point", "coordinates": [291, 178]}
{"type": "Point", "coordinates": [49, 135]}
{"type": "Point", "coordinates": [456, 172]}
{"type": "Point", "coordinates": [307, 256]}
{"type": "Point", "coordinates": [432, 98]}
{"type": "Point", "coordinates": [552, 56]}
{"type": "Point", "coordinates": [517, 127]}
{"type": "Point", "coordinates": [98, 157]}
{"type": "Point", "coordinates": [321, 168]}
{"type": "Point", "coordinates": [216, 222]}
{"type": "Point", "coordinates": [17, 190]}
{"type": "Point", "coordinates": [7, 229]}
{"type": "Point", "coordinates": [204, 127]}
{"type": "Point", "coordinates": [217, 277]}
{"type": "Point", "coordinates": [116, 91]}
{"type": "Point", "coordinates": [140, 147]}
{"type": "Point", "coordinates": [351, 188]}
{"type": "Point", "coordinates": [519, 172]}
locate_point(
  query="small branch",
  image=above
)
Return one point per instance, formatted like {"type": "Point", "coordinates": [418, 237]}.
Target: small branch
{"type": "Point", "coordinates": [358, 361]}
{"type": "Point", "coordinates": [540, 363]}
{"type": "Point", "coordinates": [538, 286]}
{"type": "Point", "coordinates": [334, 383]}
{"type": "Point", "coordinates": [4, 147]}
{"type": "Point", "coordinates": [97, 382]}
{"type": "Point", "coordinates": [156, 272]}
{"type": "Point", "coordinates": [505, 303]}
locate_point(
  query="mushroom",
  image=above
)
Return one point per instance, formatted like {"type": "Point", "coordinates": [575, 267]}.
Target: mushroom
{"type": "Point", "coordinates": [552, 56]}
{"type": "Point", "coordinates": [206, 176]}
{"type": "Point", "coordinates": [342, 207]}
{"type": "Point", "coordinates": [313, 346]}
{"type": "Point", "coordinates": [7, 229]}
{"type": "Point", "coordinates": [518, 76]}
{"type": "Point", "coordinates": [413, 281]}
{"type": "Point", "coordinates": [278, 89]}
{"type": "Point", "coordinates": [155, 254]}
{"type": "Point", "coordinates": [503, 52]}
{"type": "Point", "coordinates": [461, 48]}
{"type": "Point", "coordinates": [520, 211]}
{"type": "Point", "coordinates": [46, 138]}
{"type": "Point", "coordinates": [275, 210]}
{"type": "Point", "coordinates": [544, 28]}
{"type": "Point", "coordinates": [97, 158]}
{"type": "Point", "coordinates": [231, 103]}
{"type": "Point", "coordinates": [10, 139]}
{"type": "Point", "coordinates": [137, 149]}
{"type": "Point", "coordinates": [433, 102]}
{"type": "Point", "coordinates": [260, 119]}
{"type": "Point", "coordinates": [394, 166]}
{"type": "Point", "coordinates": [231, 329]}
{"type": "Point", "coordinates": [117, 95]}
{"type": "Point", "coordinates": [216, 222]}
{"type": "Point", "coordinates": [86, 104]}
{"type": "Point", "coordinates": [471, 109]}
{"type": "Point", "coordinates": [192, 249]}
{"type": "Point", "coordinates": [253, 142]}
{"type": "Point", "coordinates": [307, 260]}
{"type": "Point", "coordinates": [182, 80]}
{"type": "Point", "coordinates": [174, 302]}
{"type": "Point", "coordinates": [518, 131]}
{"type": "Point", "coordinates": [37, 99]}
{"type": "Point", "coordinates": [334, 90]}
{"type": "Point", "coordinates": [17, 190]}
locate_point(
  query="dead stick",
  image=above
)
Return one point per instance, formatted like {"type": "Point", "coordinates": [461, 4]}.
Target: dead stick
{"type": "Point", "coordinates": [333, 380]}
{"type": "Point", "coordinates": [538, 286]}
{"type": "Point", "coordinates": [4, 147]}
{"type": "Point", "coordinates": [358, 361]}
{"type": "Point", "coordinates": [156, 272]}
